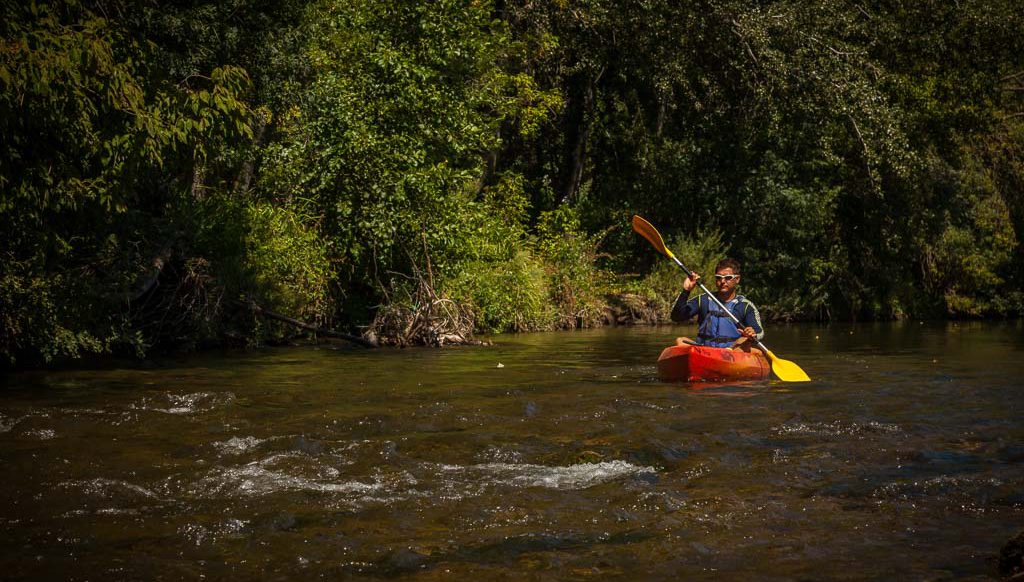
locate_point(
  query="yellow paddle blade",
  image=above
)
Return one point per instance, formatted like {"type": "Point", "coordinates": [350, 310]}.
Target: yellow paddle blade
{"type": "Point", "coordinates": [787, 371]}
{"type": "Point", "coordinates": [647, 230]}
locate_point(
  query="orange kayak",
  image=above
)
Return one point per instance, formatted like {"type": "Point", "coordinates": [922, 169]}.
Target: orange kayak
{"type": "Point", "coordinates": [692, 363]}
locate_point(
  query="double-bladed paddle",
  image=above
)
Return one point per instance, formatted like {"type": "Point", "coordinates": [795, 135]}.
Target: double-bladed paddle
{"type": "Point", "coordinates": [785, 370]}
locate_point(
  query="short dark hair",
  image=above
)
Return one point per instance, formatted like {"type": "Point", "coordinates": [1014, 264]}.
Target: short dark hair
{"type": "Point", "coordinates": [728, 264]}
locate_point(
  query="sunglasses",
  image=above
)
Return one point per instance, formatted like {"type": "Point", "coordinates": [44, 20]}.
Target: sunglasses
{"type": "Point", "coordinates": [726, 277]}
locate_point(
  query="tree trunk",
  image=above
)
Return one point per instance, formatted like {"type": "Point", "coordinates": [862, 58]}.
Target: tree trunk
{"type": "Point", "coordinates": [198, 175]}
{"type": "Point", "coordinates": [579, 124]}
{"type": "Point", "coordinates": [244, 179]}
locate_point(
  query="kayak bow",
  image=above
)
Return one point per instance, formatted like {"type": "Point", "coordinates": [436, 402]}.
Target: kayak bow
{"type": "Point", "coordinates": [690, 363]}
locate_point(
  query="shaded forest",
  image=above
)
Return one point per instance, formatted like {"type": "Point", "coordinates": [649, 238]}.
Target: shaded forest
{"type": "Point", "coordinates": [414, 172]}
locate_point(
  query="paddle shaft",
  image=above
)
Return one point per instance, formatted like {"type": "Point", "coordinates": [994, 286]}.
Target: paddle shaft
{"type": "Point", "coordinates": [731, 315]}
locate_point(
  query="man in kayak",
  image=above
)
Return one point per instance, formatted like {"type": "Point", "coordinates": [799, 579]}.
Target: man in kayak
{"type": "Point", "coordinates": [714, 327]}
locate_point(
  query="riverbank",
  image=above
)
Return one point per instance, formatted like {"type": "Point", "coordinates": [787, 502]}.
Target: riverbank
{"type": "Point", "coordinates": [624, 310]}
{"type": "Point", "coordinates": [361, 168]}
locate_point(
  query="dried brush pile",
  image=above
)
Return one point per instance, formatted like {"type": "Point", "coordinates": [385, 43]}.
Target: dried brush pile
{"type": "Point", "coordinates": [423, 319]}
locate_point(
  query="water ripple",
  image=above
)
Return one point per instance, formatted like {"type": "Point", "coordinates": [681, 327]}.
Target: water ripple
{"type": "Point", "coordinates": [43, 434]}
{"type": "Point", "coordinates": [294, 472]}
{"type": "Point", "coordinates": [109, 487]}
{"type": "Point", "coordinates": [185, 403]}
{"type": "Point", "coordinates": [836, 428]}
{"type": "Point", "coordinates": [237, 445]}
{"type": "Point", "coordinates": [199, 534]}
{"type": "Point", "coordinates": [123, 497]}
{"type": "Point", "coordinates": [967, 491]}
{"type": "Point", "coordinates": [580, 476]}
{"type": "Point", "coordinates": [7, 423]}
{"type": "Point", "coordinates": [289, 472]}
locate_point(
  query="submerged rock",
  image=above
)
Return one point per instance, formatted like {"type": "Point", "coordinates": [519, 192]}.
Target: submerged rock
{"type": "Point", "coordinates": [404, 560]}
{"type": "Point", "coordinates": [1011, 558]}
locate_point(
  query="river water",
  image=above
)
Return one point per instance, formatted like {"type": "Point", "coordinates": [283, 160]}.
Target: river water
{"type": "Point", "coordinates": [554, 456]}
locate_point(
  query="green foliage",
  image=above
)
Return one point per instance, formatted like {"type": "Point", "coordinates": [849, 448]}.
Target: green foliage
{"type": "Point", "coordinates": [288, 262]}
{"type": "Point", "coordinates": [577, 285]}
{"type": "Point", "coordinates": [404, 101]}
{"type": "Point", "coordinates": [387, 144]}
{"type": "Point", "coordinates": [791, 273]}
{"type": "Point", "coordinates": [508, 295]}
{"type": "Point", "coordinates": [493, 266]}
{"type": "Point", "coordinates": [700, 253]}
{"type": "Point", "coordinates": [817, 137]}
{"type": "Point", "coordinates": [32, 322]}
{"type": "Point", "coordinates": [78, 124]}
{"type": "Point", "coordinates": [970, 261]}
{"type": "Point", "coordinates": [516, 283]}
{"type": "Point", "coordinates": [91, 144]}
{"type": "Point", "coordinates": [252, 250]}
{"type": "Point", "coordinates": [162, 163]}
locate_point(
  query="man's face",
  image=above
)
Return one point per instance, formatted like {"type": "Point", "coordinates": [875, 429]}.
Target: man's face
{"type": "Point", "coordinates": [726, 280]}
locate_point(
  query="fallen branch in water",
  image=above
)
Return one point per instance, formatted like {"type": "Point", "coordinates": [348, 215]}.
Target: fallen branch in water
{"type": "Point", "coordinates": [307, 326]}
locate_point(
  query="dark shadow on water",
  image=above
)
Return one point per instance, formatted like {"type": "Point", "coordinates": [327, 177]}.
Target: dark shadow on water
{"type": "Point", "coordinates": [504, 551]}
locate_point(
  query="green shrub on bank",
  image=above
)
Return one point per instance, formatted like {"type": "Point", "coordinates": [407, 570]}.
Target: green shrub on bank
{"type": "Point", "coordinates": [516, 282]}
{"type": "Point", "coordinates": [578, 286]}
{"type": "Point", "coordinates": [969, 261]}
{"type": "Point", "coordinates": [32, 322]}
{"type": "Point", "coordinates": [498, 274]}
{"type": "Point", "coordinates": [664, 283]}
{"type": "Point", "coordinates": [288, 261]}
{"type": "Point", "coordinates": [252, 250]}
{"type": "Point", "coordinates": [509, 295]}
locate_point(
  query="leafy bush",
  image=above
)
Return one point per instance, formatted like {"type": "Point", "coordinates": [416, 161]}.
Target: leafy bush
{"type": "Point", "coordinates": [288, 262]}
{"type": "Point", "coordinates": [32, 323]}
{"type": "Point", "coordinates": [578, 286]}
{"type": "Point", "coordinates": [509, 295]}
{"type": "Point", "coordinates": [970, 261]}
{"type": "Point", "coordinates": [273, 255]}
{"type": "Point", "coordinates": [699, 253]}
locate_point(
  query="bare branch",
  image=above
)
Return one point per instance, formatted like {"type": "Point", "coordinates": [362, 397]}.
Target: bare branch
{"type": "Point", "coordinates": [303, 325]}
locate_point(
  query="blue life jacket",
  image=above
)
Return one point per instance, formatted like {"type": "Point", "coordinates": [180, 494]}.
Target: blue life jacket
{"type": "Point", "coordinates": [714, 327]}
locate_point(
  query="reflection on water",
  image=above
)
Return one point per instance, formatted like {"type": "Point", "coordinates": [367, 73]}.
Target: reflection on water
{"type": "Point", "coordinates": [902, 459]}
